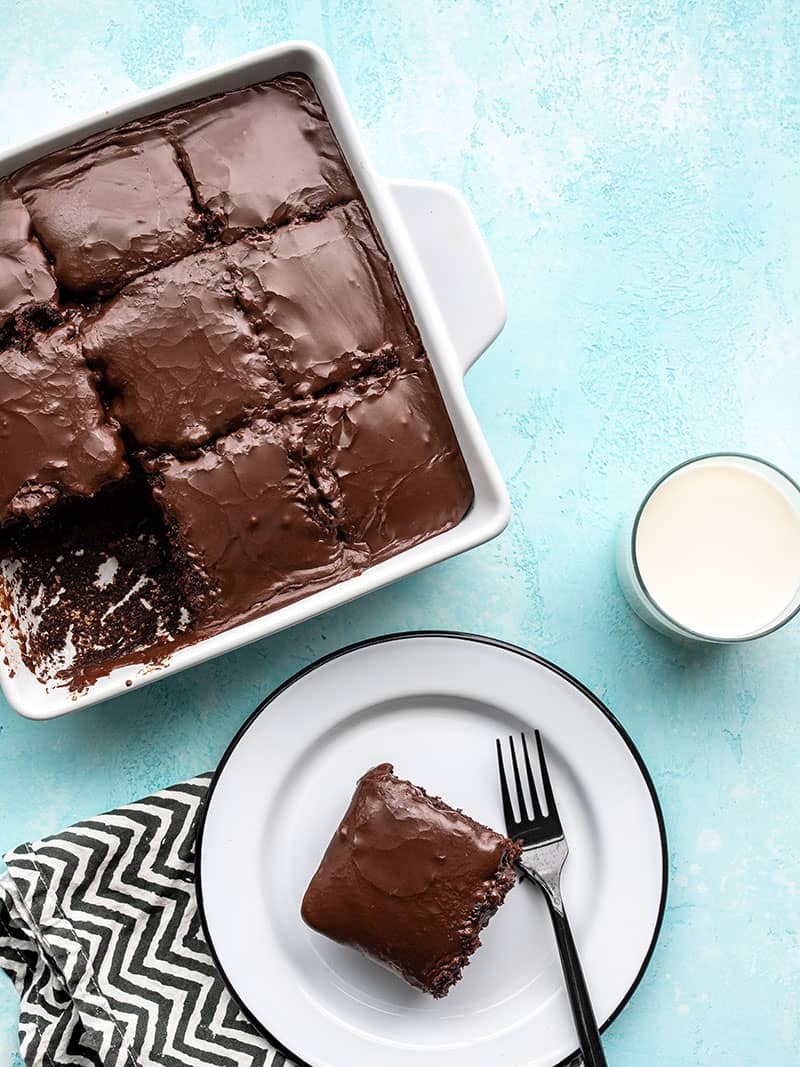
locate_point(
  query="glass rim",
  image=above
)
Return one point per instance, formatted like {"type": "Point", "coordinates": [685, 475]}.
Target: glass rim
{"type": "Point", "coordinates": [696, 634]}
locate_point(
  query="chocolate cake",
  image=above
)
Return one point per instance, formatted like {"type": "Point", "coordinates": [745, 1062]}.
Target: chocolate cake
{"type": "Point", "coordinates": [25, 274]}
{"type": "Point", "coordinates": [93, 581]}
{"type": "Point", "coordinates": [251, 528]}
{"type": "Point", "coordinates": [110, 209]}
{"type": "Point", "coordinates": [325, 307]}
{"type": "Point", "coordinates": [409, 881]}
{"type": "Point", "coordinates": [262, 156]}
{"type": "Point", "coordinates": [200, 328]}
{"type": "Point", "coordinates": [55, 439]}
{"type": "Point", "coordinates": [396, 472]}
{"type": "Point", "coordinates": [180, 359]}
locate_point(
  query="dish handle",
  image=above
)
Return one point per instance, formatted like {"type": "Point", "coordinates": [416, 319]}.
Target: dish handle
{"type": "Point", "coordinates": [456, 263]}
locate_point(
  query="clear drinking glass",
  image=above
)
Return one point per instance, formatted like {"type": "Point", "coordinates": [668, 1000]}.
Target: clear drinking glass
{"type": "Point", "coordinates": [680, 624]}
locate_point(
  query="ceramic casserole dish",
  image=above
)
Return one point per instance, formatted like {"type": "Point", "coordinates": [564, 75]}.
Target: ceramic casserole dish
{"type": "Point", "coordinates": [456, 300]}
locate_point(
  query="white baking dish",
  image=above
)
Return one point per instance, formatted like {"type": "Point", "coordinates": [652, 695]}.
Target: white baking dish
{"type": "Point", "coordinates": [456, 299]}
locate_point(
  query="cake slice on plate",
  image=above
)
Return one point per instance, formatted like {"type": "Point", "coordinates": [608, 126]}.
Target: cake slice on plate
{"type": "Point", "coordinates": [410, 881]}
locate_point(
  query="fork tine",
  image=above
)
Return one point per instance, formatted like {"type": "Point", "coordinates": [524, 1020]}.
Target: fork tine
{"type": "Point", "coordinates": [523, 810]}
{"type": "Point", "coordinates": [548, 789]}
{"type": "Point", "coordinates": [537, 807]}
{"type": "Point", "coordinates": [508, 811]}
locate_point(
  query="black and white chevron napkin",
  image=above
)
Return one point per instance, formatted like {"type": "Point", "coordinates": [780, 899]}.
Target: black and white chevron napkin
{"type": "Point", "coordinates": [99, 931]}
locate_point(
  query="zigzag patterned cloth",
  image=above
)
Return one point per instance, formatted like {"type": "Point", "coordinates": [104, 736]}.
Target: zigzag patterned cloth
{"type": "Point", "coordinates": [99, 931]}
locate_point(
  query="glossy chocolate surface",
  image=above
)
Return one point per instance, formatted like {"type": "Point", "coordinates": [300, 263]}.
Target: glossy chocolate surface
{"type": "Point", "coordinates": [249, 523]}
{"type": "Point", "coordinates": [55, 439]}
{"type": "Point", "coordinates": [324, 304]}
{"type": "Point", "coordinates": [25, 274]}
{"type": "Point", "coordinates": [228, 327]}
{"type": "Point", "coordinates": [409, 881]}
{"type": "Point", "coordinates": [111, 209]}
{"type": "Point", "coordinates": [98, 575]}
{"type": "Point", "coordinates": [399, 474]}
{"type": "Point", "coordinates": [262, 155]}
{"type": "Point", "coordinates": [180, 358]}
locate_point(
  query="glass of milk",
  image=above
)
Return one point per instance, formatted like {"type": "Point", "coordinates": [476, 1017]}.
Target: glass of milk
{"type": "Point", "coordinates": [713, 553]}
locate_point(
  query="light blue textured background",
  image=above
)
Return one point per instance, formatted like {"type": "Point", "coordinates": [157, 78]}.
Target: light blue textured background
{"type": "Point", "coordinates": [636, 171]}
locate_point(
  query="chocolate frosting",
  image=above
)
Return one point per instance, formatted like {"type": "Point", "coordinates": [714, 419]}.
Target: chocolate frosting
{"type": "Point", "coordinates": [54, 436]}
{"type": "Point", "coordinates": [398, 471]}
{"type": "Point", "coordinates": [249, 522]}
{"type": "Point", "coordinates": [323, 299]}
{"type": "Point", "coordinates": [179, 356]}
{"type": "Point", "coordinates": [25, 275]}
{"type": "Point", "coordinates": [110, 208]}
{"type": "Point", "coordinates": [262, 155]}
{"type": "Point", "coordinates": [409, 881]}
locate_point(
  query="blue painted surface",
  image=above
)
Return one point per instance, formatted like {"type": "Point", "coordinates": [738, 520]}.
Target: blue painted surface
{"type": "Point", "coordinates": [635, 169]}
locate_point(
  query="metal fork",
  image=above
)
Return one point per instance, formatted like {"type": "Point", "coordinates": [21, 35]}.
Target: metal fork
{"type": "Point", "coordinates": [543, 854]}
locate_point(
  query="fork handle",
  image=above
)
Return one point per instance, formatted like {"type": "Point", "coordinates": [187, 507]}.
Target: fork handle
{"type": "Point", "coordinates": [580, 1001]}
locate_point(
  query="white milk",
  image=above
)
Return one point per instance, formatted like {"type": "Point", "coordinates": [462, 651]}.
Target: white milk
{"type": "Point", "coordinates": [718, 547]}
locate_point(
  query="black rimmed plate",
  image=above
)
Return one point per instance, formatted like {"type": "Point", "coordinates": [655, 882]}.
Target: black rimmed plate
{"type": "Point", "coordinates": [431, 704]}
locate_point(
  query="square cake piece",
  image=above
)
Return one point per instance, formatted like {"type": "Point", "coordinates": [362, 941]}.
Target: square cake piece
{"type": "Point", "coordinates": [247, 524]}
{"type": "Point", "coordinates": [389, 453]}
{"type": "Point", "coordinates": [262, 155]}
{"type": "Point", "coordinates": [409, 881]}
{"type": "Point", "coordinates": [25, 274]}
{"type": "Point", "coordinates": [111, 208]}
{"type": "Point", "coordinates": [323, 298]}
{"type": "Point", "coordinates": [55, 439]}
{"type": "Point", "coordinates": [179, 356]}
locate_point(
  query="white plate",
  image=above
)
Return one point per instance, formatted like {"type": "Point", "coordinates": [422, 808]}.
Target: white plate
{"type": "Point", "coordinates": [432, 704]}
